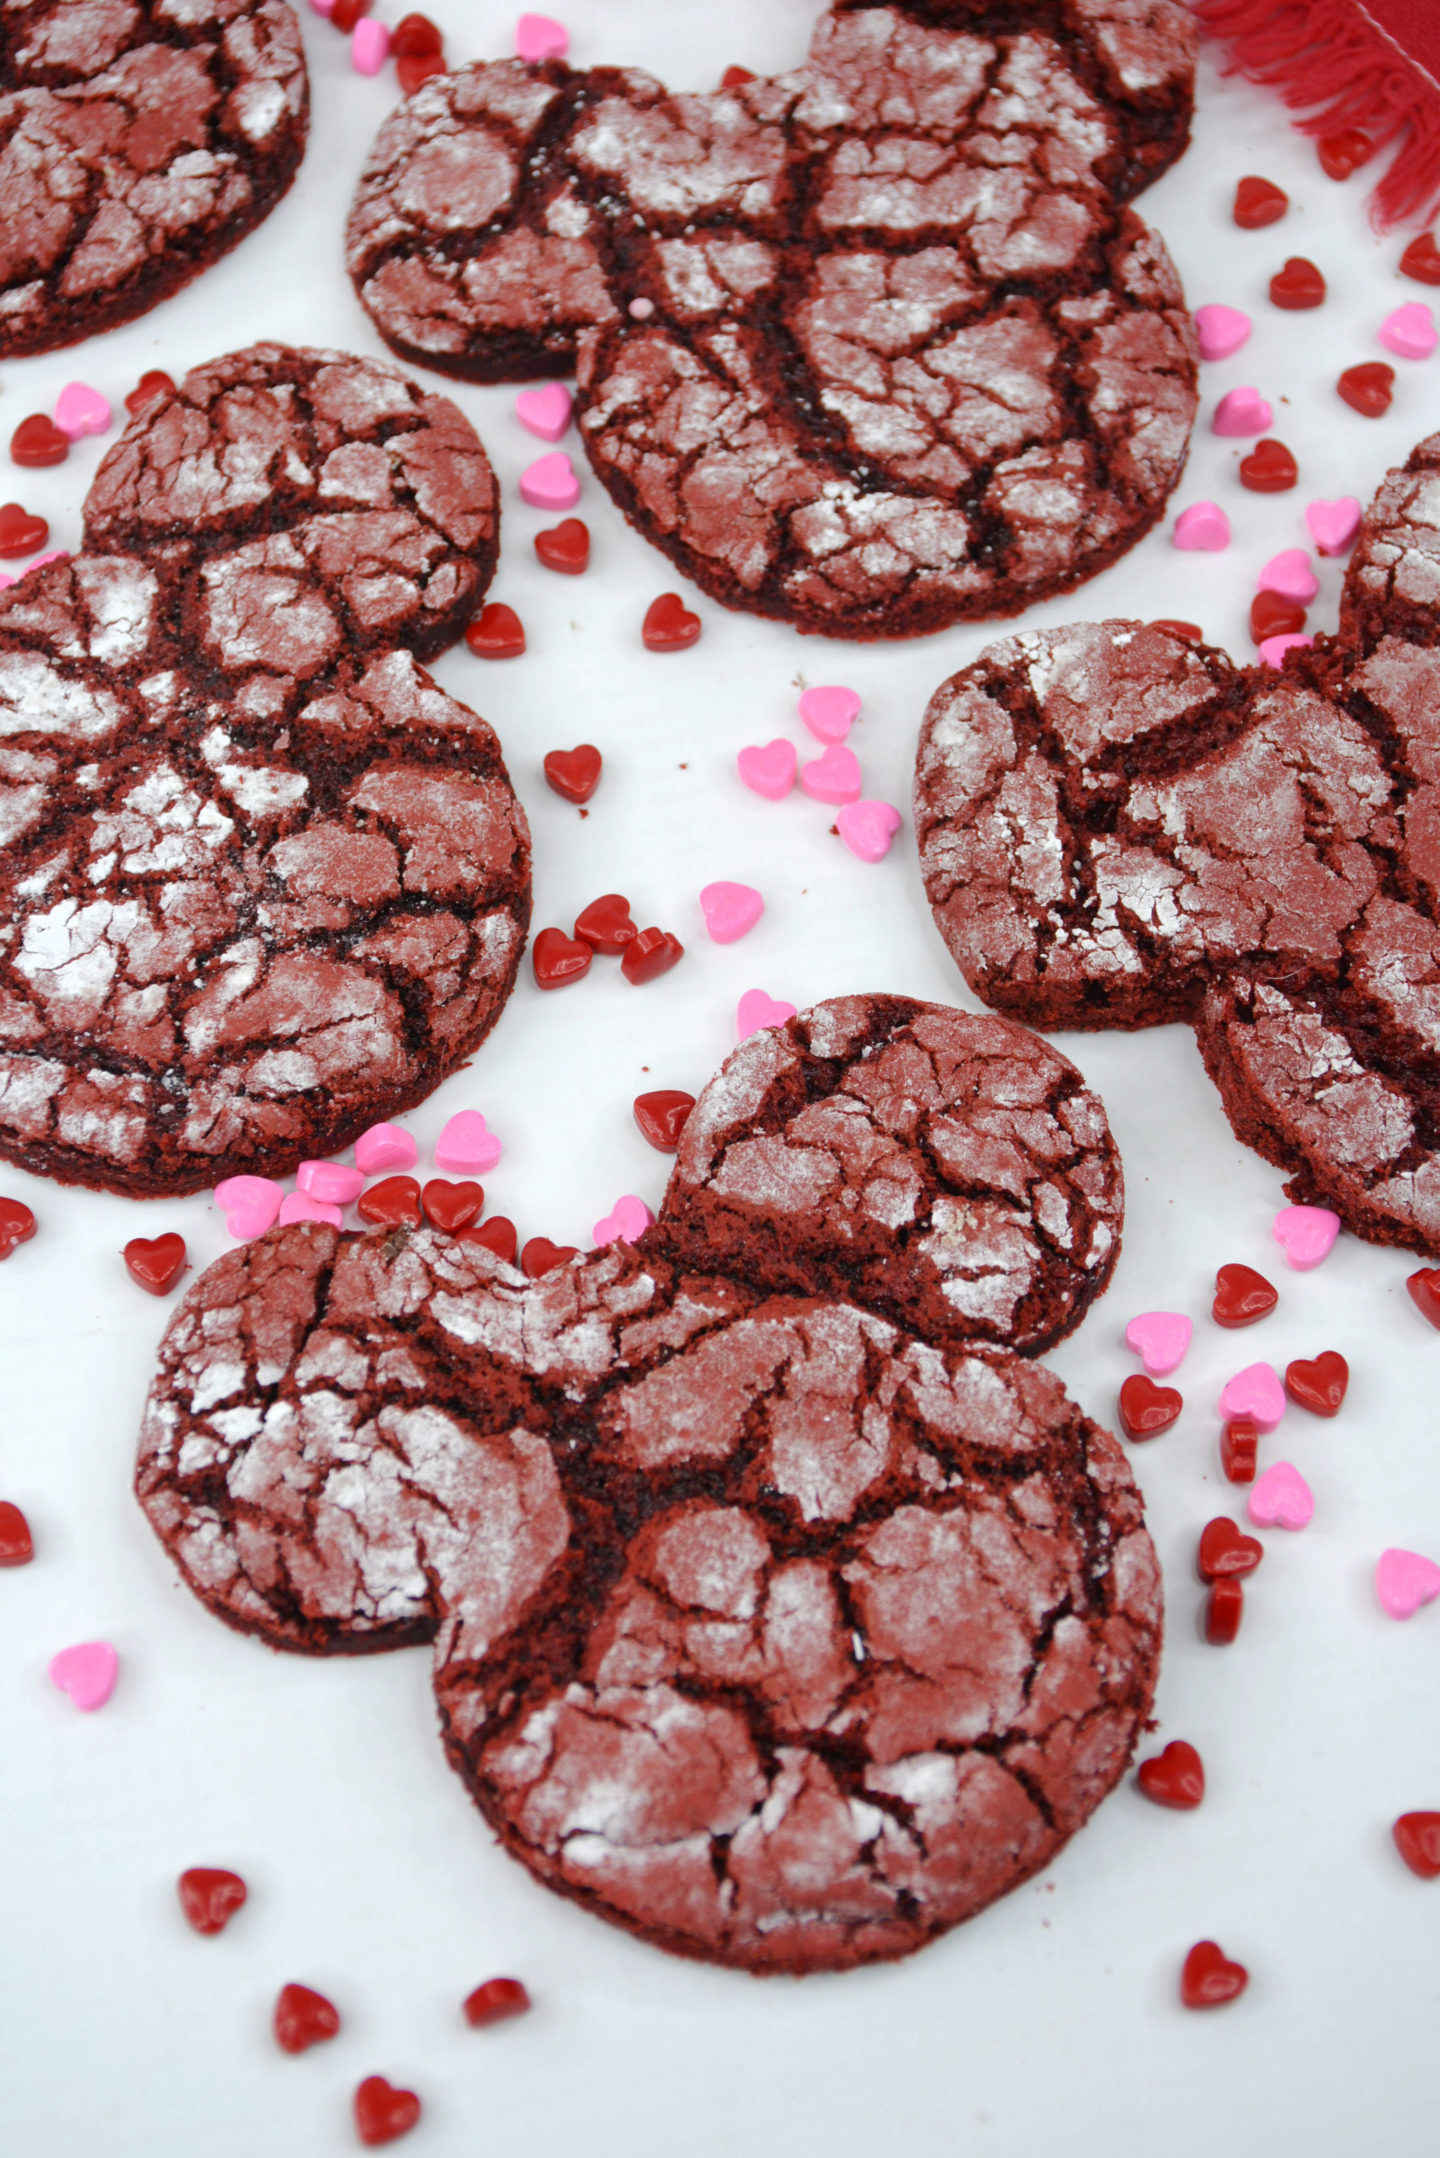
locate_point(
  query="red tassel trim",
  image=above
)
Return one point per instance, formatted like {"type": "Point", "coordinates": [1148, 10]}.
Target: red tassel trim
{"type": "Point", "coordinates": [1327, 54]}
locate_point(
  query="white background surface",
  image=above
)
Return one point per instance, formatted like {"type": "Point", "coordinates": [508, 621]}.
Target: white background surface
{"type": "Point", "coordinates": [1053, 2020]}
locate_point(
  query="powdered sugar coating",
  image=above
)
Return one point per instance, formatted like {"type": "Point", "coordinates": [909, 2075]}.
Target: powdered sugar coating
{"type": "Point", "coordinates": [139, 140]}
{"type": "Point", "coordinates": [264, 881]}
{"type": "Point", "coordinates": [949, 1170]}
{"type": "Point", "coordinates": [906, 357]}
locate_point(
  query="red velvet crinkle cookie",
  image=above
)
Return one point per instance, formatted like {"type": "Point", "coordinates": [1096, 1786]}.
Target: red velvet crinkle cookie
{"type": "Point", "coordinates": [871, 347]}
{"type": "Point", "coordinates": [764, 1629]}
{"type": "Point", "coordinates": [1118, 827]}
{"type": "Point", "coordinates": [945, 1168]}
{"type": "Point", "coordinates": [139, 140]}
{"type": "Point", "coordinates": [263, 882]}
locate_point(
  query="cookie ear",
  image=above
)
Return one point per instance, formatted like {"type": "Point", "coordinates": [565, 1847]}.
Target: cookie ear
{"type": "Point", "coordinates": [789, 302]}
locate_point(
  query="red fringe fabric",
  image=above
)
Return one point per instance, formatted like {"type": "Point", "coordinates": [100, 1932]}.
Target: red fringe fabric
{"type": "Point", "coordinates": [1335, 56]}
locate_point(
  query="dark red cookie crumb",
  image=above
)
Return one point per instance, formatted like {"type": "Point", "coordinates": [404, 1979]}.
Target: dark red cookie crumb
{"type": "Point", "coordinates": [606, 926]}
{"type": "Point", "coordinates": [669, 625]}
{"type": "Point", "coordinates": [565, 547]}
{"type": "Point", "coordinates": [574, 773]}
{"type": "Point", "coordinates": [1259, 202]}
{"type": "Point", "coordinates": [495, 2001]}
{"type": "Point", "coordinates": [1417, 1835]}
{"type": "Point", "coordinates": [1240, 1449]}
{"type": "Point", "coordinates": [17, 1546]}
{"type": "Point", "coordinates": [156, 1262]}
{"type": "Point", "coordinates": [210, 1896]}
{"type": "Point", "coordinates": [1224, 1609]}
{"type": "Point", "coordinates": [1209, 1979]}
{"type": "Point", "coordinates": [662, 1116]}
{"type": "Point", "coordinates": [1318, 1383]}
{"type": "Point", "coordinates": [382, 2113]}
{"type": "Point", "coordinates": [558, 959]}
{"type": "Point", "coordinates": [303, 2018]}
{"type": "Point", "coordinates": [38, 441]}
{"type": "Point", "coordinates": [1147, 1409]}
{"type": "Point", "coordinates": [1368, 389]}
{"type": "Point", "coordinates": [17, 1225]}
{"type": "Point", "coordinates": [1269, 469]}
{"type": "Point", "coordinates": [1175, 1777]}
{"type": "Point", "coordinates": [1242, 1296]}
{"type": "Point", "coordinates": [496, 633]}
{"type": "Point", "coordinates": [650, 954]}
{"type": "Point", "coordinates": [1225, 1552]}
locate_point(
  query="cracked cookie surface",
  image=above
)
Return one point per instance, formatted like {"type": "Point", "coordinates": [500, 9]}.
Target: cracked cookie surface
{"type": "Point", "coordinates": [947, 1169]}
{"type": "Point", "coordinates": [139, 141]}
{"type": "Point", "coordinates": [906, 354]}
{"type": "Point", "coordinates": [264, 881]}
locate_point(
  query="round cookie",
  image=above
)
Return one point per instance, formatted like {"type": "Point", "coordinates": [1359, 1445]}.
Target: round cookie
{"type": "Point", "coordinates": [139, 141]}
{"type": "Point", "coordinates": [871, 347]}
{"type": "Point", "coordinates": [854, 1637]}
{"type": "Point", "coordinates": [264, 883]}
{"type": "Point", "coordinates": [946, 1169]}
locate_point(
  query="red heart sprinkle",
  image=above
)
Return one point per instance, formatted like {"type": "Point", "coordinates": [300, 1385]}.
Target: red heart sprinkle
{"type": "Point", "coordinates": [574, 773]}
{"type": "Point", "coordinates": [1259, 202]}
{"type": "Point", "coordinates": [382, 2114]}
{"type": "Point", "coordinates": [669, 625]}
{"type": "Point", "coordinates": [16, 1547]}
{"type": "Point", "coordinates": [1298, 285]}
{"type": "Point", "coordinates": [1424, 1286]}
{"type": "Point", "coordinates": [497, 631]}
{"type": "Point", "coordinates": [1269, 469]}
{"type": "Point", "coordinates": [1417, 1839]}
{"type": "Point", "coordinates": [653, 953]}
{"type": "Point", "coordinates": [605, 924]}
{"type": "Point", "coordinates": [411, 69]}
{"type": "Point", "coordinates": [735, 78]}
{"type": "Point", "coordinates": [497, 1235]}
{"type": "Point", "coordinates": [1239, 1448]}
{"type": "Point", "coordinates": [558, 959]}
{"type": "Point", "coordinates": [38, 441]}
{"type": "Point", "coordinates": [20, 533]}
{"type": "Point", "coordinates": [210, 1897]}
{"type": "Point", "coordinates": [565, 546]}
{"type": "Point", "coordinates": [1318, 1383]}
{"type": "Point", "coordinates": [346, 13]}
{"type": "Point", "coordinates": [1344, 153]}
{"type": "Point", "coordinates": [394, 1202]}
{"type": "Point", "coordinates": [1368, 388]}
{"type": "Point", "coordinates": [1271, 615]}
{"type": "Point", "coordinates": [494, 2001]}
{"type": "Point", "coordinates": [1421, 260]}
{"type": "Point", "coordinates": [414, 36]}
{"type": "Point", "coordinates": [452, 1207]}
{"type": "Point", "coordinates": [304, 2018]}
{"type": "Point", "coordinates": [540, 1256]}
{"type": "Point", "coordinates": [1147, 1409]}
{"type": "Point", "coordinates": [17, 1226]}
{"type": "Point", "coordinates": [156, 1262]}
{"type": "Point", "coordinates": [661, 1117]}
{"type": "Point", "coordinates": [1226, 1552]}
{"type": "Point", "coordinates": [1242, 1296]}
{"type": "Point", "coordinates": [150, 386]}
{"type": "Point", "coordinates": [1209, 1978]}
{"type": "Point", "coordinates": [1224, 1609]}
{"type": "Point", "coordinates": [1175, 1777]}
{"type": "Point", "coordinates": [1189, 630]}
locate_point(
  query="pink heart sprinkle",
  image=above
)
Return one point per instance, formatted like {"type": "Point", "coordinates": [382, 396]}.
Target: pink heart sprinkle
{"type": "Point", "coordinates": [86, 1672]}
{"type": "Point", "coordinates": [731, 911]}
{"type": "Point", "coordinates": [1204, 526]}
{"type": "Point", "coordinates": [56, 554]}
{"type": "Point", "coordinates": [1404, 1580]}
{"type": "Point", "coordinates": [628, 1218]}
{"type": "Point", "coordinates": [756, 1010]}
{"type": "Point", "coordinates": [1273, 649]}
{"type": "Point", "coordinates": [832, 777]}
{"type": "Point", "coordinates": [642, 309]}
{"type": "Point", "coordinates": [79, 410]}
{"type": "Point", "coordinates": [769, 770]}
{"type": "Point", "coordinates": [322, 7]}
{"type": "Point", "coordinates": [1256, 1391]}
{"type": "Point", "coordinates": [550, 483]}
{"type": "Point", "coordinates": [1306, 1234]}
{"type": "Point", "coordinates": [465, 1146]}
{"type": "Point", "coordinates": [867, 828]}
{"type": "Point", "coordinates": [829, 712]}
{"type": "Point", "coordinates": [546, 411]}
{"type": "Point", "coordinates": [1410, 331]}
{"type": "Point", "coordinates": [1159, 1339]}
{"type": "Point", "coordinates": [540, 37]}
{"type": "Point", "coordinates": [1333, 525]}
{"type": "Point", "coordinates": [303, 1206]}
{"type": "Point", "coordinates": [331, 1182]}
{"type": "Point", "coordinates": [1221, 331]}
{"type": "Point", "coordinates": [369, 46]}
{"type": "Point", "coordinates": [385, 1146]}
{"type": "Point", "coordinates": [1280, 1499]}
{"type": "Point", "coordinates": [251, 1204]}
{"type": "Point", "coordinates": [1289, 573]}
{"type": "Point", "coordinates": [1241, 412]}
